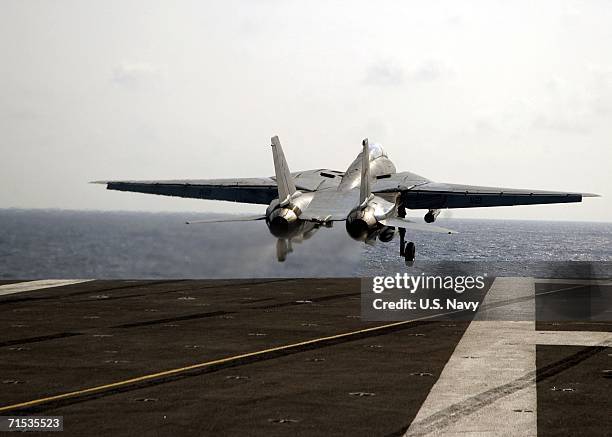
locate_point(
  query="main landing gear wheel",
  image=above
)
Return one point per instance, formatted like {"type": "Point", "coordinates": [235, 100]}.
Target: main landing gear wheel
{"type": "Point", "coordinates": [409, 251]}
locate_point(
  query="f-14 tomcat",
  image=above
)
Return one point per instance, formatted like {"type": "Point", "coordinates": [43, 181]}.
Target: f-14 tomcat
{"type": "Point", "coordinates": [371, 197]}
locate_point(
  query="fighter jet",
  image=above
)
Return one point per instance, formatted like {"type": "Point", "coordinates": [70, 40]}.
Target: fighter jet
{"type": "Point", "coordinates": [371, 197]}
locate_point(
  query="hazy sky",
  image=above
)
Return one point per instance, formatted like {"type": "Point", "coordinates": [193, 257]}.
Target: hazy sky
{"type": "Point", "coordinates": [515, 94]}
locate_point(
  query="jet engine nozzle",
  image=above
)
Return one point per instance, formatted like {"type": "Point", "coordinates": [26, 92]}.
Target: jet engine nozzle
{"type": "Point", "coordinates": [431, 215]}
{"type": "Point", "coordinates": [360, 223]}
{"type": "Point", "coordinates": [282, 221]}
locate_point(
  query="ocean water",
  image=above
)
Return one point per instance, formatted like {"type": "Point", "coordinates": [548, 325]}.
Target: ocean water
{"type": "Point", "coordinates": [505, 248]}
{"type": "Point", "coordinates": [91, 244]}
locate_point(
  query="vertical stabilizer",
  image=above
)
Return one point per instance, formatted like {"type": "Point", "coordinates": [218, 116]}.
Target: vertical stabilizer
{"type": "Point", "coordinates": [364, 189]}
{"type": "Point", "coordinates": [286, 186]}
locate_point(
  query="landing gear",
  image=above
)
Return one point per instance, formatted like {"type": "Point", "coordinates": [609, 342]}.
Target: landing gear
{"type": "Point", "coordinates": [409, 251]}
{"type": "Point", "coordinates": [401, 212]}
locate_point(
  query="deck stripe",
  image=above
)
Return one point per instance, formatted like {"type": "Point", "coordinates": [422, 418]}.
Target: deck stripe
{"type": "Point", "coordinates": [20, 287]}
{"type": "Point", "coordinates": [490, 355]}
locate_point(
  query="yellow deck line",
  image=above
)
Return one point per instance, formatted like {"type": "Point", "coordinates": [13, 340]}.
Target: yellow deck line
{"type": "Point", "coordinates": [179, 370]}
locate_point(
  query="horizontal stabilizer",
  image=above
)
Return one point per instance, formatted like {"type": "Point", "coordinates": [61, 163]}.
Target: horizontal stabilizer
{"type": "Point", "coordinates": [400, 222]}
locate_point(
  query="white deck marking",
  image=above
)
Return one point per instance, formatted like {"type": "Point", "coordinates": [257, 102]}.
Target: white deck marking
{"type": "Point", "coordinates": [20, 287]}
{"type": "Point", "coordinates": [488, 385]}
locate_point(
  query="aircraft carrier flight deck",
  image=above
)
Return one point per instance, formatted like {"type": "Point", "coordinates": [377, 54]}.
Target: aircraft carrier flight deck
{"type": "Point", "coordinates": [290, 357]}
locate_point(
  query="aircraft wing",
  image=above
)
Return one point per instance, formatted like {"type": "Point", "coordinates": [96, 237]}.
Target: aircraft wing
{"type": "Point", "coordinates": [252, 190]}
{"type": "Point", "coordinates": [435, 195]}
{"type": "Point", "coordinates": [243, 190]}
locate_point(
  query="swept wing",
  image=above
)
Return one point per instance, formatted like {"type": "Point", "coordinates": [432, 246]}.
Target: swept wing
{"type": "Point", "coordinates": [420, 193]}
{"type": "Point", "coordinates": [243, 190]}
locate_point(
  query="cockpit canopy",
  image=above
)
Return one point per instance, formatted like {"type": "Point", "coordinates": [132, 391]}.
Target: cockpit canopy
{"type": "Point", "coordinates": [376, 151]}
{"type": "Point", "coordinates": [378, 167]}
